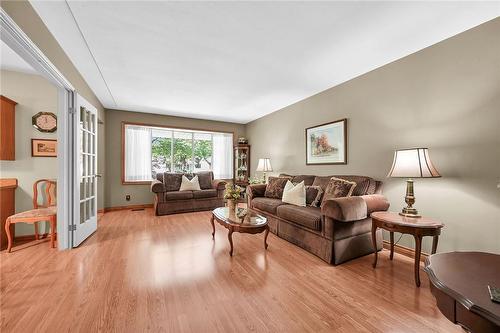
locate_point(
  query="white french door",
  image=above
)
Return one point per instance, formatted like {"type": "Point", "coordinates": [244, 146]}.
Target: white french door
{"type": "Point", "coordinates": [85, 210]}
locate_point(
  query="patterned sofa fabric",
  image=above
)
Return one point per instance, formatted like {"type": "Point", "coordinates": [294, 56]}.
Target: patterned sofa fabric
{"type": "Point", "coordinates": [169, 200]}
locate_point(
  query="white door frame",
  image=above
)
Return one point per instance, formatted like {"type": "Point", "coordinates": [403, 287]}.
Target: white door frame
{"type": "Point", "coordinates": [18, 41]}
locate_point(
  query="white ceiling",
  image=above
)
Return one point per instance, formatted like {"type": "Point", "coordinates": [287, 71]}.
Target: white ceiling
{"type": "Point", "coordinates": [10, 60]}
{"type": "Point", "coordinates": [238, 61]}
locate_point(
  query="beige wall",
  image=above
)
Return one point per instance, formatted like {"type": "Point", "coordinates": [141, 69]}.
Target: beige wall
{"type": "Point", "coordinates": [25, 16]}
{"type": "Point", "coordinates": [33, 94]}
{"type": "Point", "coordinates": [445, 97]}
{"type": "Point", "coordinates": [141, 194]}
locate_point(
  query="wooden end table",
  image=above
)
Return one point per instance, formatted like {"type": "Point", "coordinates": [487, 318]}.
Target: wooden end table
{"type": "Point", "coordinates": [251, 223]}
{"type": "Point", "coordinates": [459, 282]}
{"type": "Point", "coordinates": [416, 226]}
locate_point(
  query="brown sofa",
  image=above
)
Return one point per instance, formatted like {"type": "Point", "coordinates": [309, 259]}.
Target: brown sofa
{"type": "Point", "coordinates": [337, 231]}
{"type": "Point", "coordinates": [169, 200]}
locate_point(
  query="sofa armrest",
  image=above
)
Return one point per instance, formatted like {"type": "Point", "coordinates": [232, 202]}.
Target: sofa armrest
{"type": "Point", "coordinates": [219, 184]}
{"type": "Point", "coordinates": [349, 209]}
{"type": "Point", "coordinates": [157, 186]}
{"type": "Point", "coordinates": [253, 191]}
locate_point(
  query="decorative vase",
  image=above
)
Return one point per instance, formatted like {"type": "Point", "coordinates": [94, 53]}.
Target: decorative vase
{"type": "Point", "coordinates": [231, 204]}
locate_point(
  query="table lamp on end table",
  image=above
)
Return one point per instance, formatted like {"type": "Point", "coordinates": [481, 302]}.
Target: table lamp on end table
{"type": "Point", "coordinates": [264, 166]}
{"type": "Point", "coordinates": [412, 163]}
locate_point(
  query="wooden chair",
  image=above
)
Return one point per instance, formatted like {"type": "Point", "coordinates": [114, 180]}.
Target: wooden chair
{"type": "Point", "coordinates": [47, 211]}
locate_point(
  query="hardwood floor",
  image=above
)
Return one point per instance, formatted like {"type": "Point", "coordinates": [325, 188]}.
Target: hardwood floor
{"type": "Point", "coordinates": [145, 273]}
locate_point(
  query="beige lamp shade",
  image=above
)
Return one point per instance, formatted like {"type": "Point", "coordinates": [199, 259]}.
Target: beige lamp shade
{"type": "Point", "coordinates": [413, 163]}
{"type": "Point", "coordinates": [264, 165]}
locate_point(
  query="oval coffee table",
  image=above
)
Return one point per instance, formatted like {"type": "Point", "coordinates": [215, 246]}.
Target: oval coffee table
{"type": "Point", "coordinates": [251, 223]}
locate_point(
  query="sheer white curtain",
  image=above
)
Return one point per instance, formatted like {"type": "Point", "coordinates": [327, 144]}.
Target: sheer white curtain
{"type": "Point", "coordinates": [222, 155]}
{"type": "Point", "coordinates": [137, 153]}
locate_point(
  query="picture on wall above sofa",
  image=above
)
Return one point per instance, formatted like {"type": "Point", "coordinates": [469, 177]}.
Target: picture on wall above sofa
{"type": "Point", "coordinates": [327, 143]}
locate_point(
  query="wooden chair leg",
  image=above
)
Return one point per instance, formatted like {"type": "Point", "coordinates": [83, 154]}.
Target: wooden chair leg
{"type": "Point", "coordinates": [53, 232]}
{"type": "Point", "coordinates": [9, 235]}
{"type": "Point", "coordinates": [37, 236]}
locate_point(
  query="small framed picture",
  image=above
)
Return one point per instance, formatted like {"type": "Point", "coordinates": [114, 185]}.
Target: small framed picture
{"type": "Point", "coordinates": [327, 143]}
{"type": "Point", "coordinates": [43, 148]}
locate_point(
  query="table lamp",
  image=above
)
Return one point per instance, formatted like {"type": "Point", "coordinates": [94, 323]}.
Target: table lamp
{"type": "Point", "coordinates": [412, 163]}
{"type": "Point", "coordinates": [264, 166]}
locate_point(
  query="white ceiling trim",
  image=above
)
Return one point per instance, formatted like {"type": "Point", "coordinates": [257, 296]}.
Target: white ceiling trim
{"type": "Point", "coordinates": [67, 33]}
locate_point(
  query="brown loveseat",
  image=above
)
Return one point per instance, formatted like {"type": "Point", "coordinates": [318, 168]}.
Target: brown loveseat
{"type": "Point", "coordinates": [169, 200]}
{"type": "Point", "coordinates": [337, 231]}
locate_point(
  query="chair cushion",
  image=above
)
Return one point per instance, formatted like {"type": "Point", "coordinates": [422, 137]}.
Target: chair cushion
{"type": "Point", "coordinates": [268, 205]}
{"type": "Point", "coordinates": [275, 186]}
{"type": "Point", "coordinates": [178, 195]}
{"type": "Point", "coordinates": [172, 181]}
{"type": "Point", "coordinates": [34, 213]}
{"type": "Point", "coordinates": [211, 193]}
{"type": "Point", "coordinates": [309, 217]}
{"type": "Point", "coordinates": [205, 179]}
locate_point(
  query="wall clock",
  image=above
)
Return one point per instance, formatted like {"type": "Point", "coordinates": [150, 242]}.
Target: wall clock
{"type": "Point", "coordinates": [45, 122]}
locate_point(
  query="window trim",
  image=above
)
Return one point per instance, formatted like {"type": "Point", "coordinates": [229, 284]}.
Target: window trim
{"type": "Point", "coordinates": [124, 123]}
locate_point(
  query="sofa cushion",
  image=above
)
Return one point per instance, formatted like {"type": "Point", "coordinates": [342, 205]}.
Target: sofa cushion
{"type": "Point", "coordinates": [211, 193]}
{"type": "Point", "coordinates": [309, 217]}
{"type": "Point", "coordinates": [275, 186]}
{"type": "Point", "coordinates": [364, 185]}
{"type": "Point", "coordinates": [190, 184]}
{"type": "Point", "coordinates": [307, 179]}
{"type": "Point", "coordinates": [313, 195]}
{"type": "Point", "coordinates": [178, 195]}
{"type": "Point", "coordinates": [268, 205]}
{"type": "Point", "coordinates": [172, 181]}
{"type": "Point", "coordinates": [295, 194]}
{"type": "Point", "coordinates": [338, 188]}
{"type": "Point", "coordinates": [321, 181]}
{"type": "Point", "coordinates": [205, 179]}
{"type": "Point", "coordinates": [159, 176]}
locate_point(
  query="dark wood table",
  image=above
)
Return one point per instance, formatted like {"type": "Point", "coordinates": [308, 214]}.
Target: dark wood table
{"type": "Point", "coordinates": [416, 226]}
{"type": "Point", "coordinates": [459, 282]}
{"type": "Point", "coordinates": [250, 223]}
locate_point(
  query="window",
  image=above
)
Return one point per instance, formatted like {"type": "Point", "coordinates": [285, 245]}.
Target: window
{"type": "Point", "coordinates": [150, 150]}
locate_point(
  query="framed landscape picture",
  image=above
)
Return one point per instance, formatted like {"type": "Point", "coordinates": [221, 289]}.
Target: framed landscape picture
{"type": "Point", "coordinates": [43, 148]}
{"type": "Point", "coordinates": [327, 143]}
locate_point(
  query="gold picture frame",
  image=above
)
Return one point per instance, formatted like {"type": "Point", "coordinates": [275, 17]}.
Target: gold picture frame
{"type": "Point", "coordinates": [43, 148]}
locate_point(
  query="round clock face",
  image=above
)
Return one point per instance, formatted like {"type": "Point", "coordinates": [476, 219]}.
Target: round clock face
{"type": "Point", "coordinates": [45, 121]}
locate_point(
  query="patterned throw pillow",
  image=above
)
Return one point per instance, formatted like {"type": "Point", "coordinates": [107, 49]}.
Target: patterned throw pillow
{"type": "Point", "coordinates": [275, 186]}
{"type": "Point", "coordinates": [313, 195]}
{"type": "Point", "coordinates": [338, 188]}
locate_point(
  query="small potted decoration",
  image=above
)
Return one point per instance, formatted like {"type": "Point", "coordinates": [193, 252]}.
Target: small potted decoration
{"type": "Point", "coordinates": [232, 194]}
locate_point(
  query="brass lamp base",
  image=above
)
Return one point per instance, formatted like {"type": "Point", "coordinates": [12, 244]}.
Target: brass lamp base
{"type": "Point", "coordinates": [409, 211]}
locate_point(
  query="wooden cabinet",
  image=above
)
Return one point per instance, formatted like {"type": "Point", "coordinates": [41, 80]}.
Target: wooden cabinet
{"type": "Point", "coordinates": [7, 206]}
{"type": "Point", "coordinates": [241, 164]}
{"type": "Point", "coordinates": [7, 129]}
